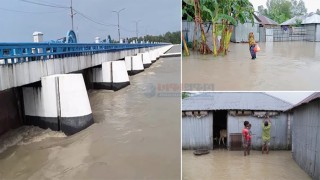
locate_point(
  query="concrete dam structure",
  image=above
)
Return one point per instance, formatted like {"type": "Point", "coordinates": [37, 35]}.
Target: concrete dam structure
{"type": "Point", "coordinates": [49, 90]}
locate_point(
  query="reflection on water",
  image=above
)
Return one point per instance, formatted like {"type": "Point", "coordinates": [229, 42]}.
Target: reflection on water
{"type": "Point", "coordinates": [279, 66]}
{"type": "Point", "coordinates": [223, 164]}
{"type": "Point", "coordinates": [135, 136]}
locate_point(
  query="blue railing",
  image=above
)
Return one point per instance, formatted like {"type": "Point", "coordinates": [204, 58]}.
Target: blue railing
{"type": "Point", "coordinates": [11, 53]}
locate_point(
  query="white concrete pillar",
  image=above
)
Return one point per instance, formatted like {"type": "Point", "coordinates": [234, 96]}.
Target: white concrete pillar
{"type": "Point", "coordinates": [153, 56]}
{"type": "Point", "coordinates": [113, 76]}
{"type": "Point", "coordinates": [146, 59]}
{"type": "Point", "coordinates": [134, 64]}
{"type": "Point", "coordinates": [61, 104]}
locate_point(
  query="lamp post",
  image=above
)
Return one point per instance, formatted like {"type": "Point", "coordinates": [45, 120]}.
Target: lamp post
{"type": "Point", "coordinates": [137, 28]}
{"type": "Point", "coordinates": [118, 13]}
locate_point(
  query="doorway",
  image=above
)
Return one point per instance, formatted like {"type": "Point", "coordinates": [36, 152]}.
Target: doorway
{"type": "Point", "coordinates": [219, 123]}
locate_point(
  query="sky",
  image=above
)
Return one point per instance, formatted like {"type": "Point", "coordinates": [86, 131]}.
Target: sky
{"type": "Point", "coordinates": [291, 97]}
{"type": "Point", "coordinates": [311, 5]}
{"type": "Point", "coordinates": [20, 19]}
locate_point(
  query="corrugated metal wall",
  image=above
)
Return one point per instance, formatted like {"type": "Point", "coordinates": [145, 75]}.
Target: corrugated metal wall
{"type": "Point", "coordinates": [306, 137]}
{"type": "Point", "coordinates": [189, 28]}
{"type": "Point", "coordinates": [241, 32]}
{"type": "Point", "coordinates": [197, 132]}
{"type": "Point", "coordinates": [269, 35]}
{"type": "Point", "coordinates": [318, 33]}
{"type": "Point", "coordinates": [311, 32]}
{"type": "Point", "coordinates": [262, 34]}
{"type": "Point", "coordinates": [278, 130]}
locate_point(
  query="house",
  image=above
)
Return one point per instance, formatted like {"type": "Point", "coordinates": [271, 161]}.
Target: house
{"type": "Point", "coordinates": [312, 25]}
{"type": "Point", "coordinates": [306, 134]}
{"type": "Point", "coordinates": [205, 114]}
{"type": "Point", "coordinates": [266, 22]}
{"type": "Point", "coordinates": [265, 28]}
{"type": "Point", "coordinates": [309, 30]}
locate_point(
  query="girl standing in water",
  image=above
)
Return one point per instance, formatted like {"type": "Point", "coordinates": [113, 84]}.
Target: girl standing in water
{"type": "Point", "coordinates": [252, 44]}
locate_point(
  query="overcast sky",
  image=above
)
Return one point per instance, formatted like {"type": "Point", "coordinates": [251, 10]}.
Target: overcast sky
{"type": "Point", "coordinates": [20, 19]}
{"type": "Point", "coordinates": [311, 5]}
{"type": "Point", "coordinates": [291, 97]}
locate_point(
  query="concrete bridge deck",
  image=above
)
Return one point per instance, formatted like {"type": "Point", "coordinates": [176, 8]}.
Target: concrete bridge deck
{"type": "Point", "coordinates": [26, 63]}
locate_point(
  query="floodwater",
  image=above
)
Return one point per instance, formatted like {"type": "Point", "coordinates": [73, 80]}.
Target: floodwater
{"type": "Point", "coordinates": [279, 66]}
{"type": "Point", "coordinates": [136, 136]}
{"type": "Point", "coordinates": [224, 164]}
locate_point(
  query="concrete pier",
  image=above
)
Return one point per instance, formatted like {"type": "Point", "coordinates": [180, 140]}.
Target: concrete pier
{"type": "Point", "coordinates": [145, 59]}
{"type": "Point", "coordinates": [134, 64]}
{"type": "Point", "coordinates": [10, 107]}
{"type": "Point", "coordinates": [61, 104]}
{"type": "Point", "coordinates": [112, 76]}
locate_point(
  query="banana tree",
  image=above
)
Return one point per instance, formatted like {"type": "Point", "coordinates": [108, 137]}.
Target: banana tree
{"type": "Point", "coordinates": [188, 12]}
{"type": "Point", "coordinates": [240, 11]}
{"type": "Point", "coordinates": [204, 48]}
{"type": "Point", "coordinates": [213, 9]}
{"type": "Point", "coordinates": [198, 20]}
{"type": "Point", "coordinates": [185, 46]}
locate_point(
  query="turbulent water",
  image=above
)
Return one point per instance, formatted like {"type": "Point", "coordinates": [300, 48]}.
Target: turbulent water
{"type": "Point", "coordinates": [223, 164]}
{"type": "Point", "coordinates": [279, 66]}
{"type": "Point", "coordinates": [136, 135]}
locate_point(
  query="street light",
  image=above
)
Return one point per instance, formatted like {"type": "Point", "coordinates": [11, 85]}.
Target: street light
{"type": "Point", "coordinates": [137, 28]}
{"type": "Point", "coordinates": [118, 12]}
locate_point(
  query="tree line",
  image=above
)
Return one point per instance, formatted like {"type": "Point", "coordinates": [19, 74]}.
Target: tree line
{"type": "Point", "coordinates": [169, 37]}
{"type": "Point", "coordinates": [282, 10]}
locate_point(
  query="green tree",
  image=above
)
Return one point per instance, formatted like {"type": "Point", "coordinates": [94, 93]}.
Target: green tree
{"type": "Point", "coordinates": [241, 12]}
{"type": "Point", "coordinates": [169, 37]}
{"type": "Point", "coordinates": [279, 10]}
{"type": "Point", "coordinates": [298, 8]}
{"type": "Point", "coordinates": [262, 10]}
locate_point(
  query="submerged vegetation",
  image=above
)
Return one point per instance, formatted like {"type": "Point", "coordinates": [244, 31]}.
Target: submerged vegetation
{"type": "Point", "coordinates": [223, 15]}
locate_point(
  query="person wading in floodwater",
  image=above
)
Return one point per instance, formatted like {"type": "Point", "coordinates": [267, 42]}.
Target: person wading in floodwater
{"type": "Point", "coordinates": [266, 127]}
{"type": "Point", "coordinates": [245, 138]}
{"type": "Point", "coordinates": [252, 44]}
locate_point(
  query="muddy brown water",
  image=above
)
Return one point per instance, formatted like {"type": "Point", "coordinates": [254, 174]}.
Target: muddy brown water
{"type": "Point", "coordinates": [224, 164]}
{"type": "Point", "coordinates": [279, 66]}
{"type": "Point", "coordinates": [136, 136]}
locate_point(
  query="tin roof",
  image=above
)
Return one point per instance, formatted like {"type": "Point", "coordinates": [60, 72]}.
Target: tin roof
{"type": "Point", "coordinates": [312, 97]}
{"type": "Point", "coordinates": [310, 18]}
{"type": "Point", "coordinates": [292, 21]}
{"type": "Point", "coordinates": [234, 101]}
{"type": "Point", "coordinates": [266, 21]}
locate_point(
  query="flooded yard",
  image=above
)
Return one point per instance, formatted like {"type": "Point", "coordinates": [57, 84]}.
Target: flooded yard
{"type": "Point", "coordinates": [224, 164]}
{"type": "Point", "coordinates": [279, 66]}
